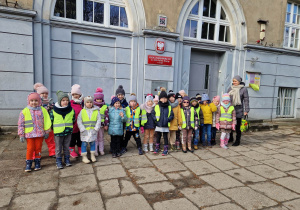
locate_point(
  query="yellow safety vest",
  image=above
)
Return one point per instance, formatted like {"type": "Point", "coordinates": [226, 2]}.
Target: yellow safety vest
{"type": "Point", "coordinates": [144, 117]}
{"type": "Point", "coordinates": [136, 116]}
{"type": "Point", "coordinates": [226, 116]}
{"type": "Point", "coordinates": [59, 123]}
{"type": "Point", "coordinates": [157, 113]}
{"type": "Point", "coordinates": [102, 112]}
{"type": "Point", "coordinates": [192, 119]}
{"type": "Point", "coordinates": [29, 122]}
{"type": "Point", "coordinates": [198, 112]}
{"type": "Point", "coordinates": [86, 121]}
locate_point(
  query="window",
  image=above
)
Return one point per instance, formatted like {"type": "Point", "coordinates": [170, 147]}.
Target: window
{"type": "Point", "coordinates": [208, 21]}
{"type": "Point", "coordinates": [292, 26]}
{"type": "Point", "coordinates": [286, 102]}
{"type": "Point", "coordinates": [65, 9]}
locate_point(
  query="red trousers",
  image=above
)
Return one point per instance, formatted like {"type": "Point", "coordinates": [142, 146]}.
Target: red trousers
{"type": "Point", "coordinates": [51, 144]}
{"type": "Point", "coordinates": [34, 145]}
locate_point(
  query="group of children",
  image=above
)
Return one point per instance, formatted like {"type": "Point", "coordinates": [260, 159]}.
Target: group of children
{"type": "Point", "coordinates": [81, 122]}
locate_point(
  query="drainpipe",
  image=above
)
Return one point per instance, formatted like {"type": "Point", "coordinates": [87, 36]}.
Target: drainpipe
{"type": "Point", "coordinates": [274, 90]}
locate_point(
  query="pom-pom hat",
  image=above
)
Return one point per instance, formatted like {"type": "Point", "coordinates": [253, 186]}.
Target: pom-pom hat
{"type": "Point", "coordinates": [40, 88]}
{"type": "Point", "coordinates": [99, 94]}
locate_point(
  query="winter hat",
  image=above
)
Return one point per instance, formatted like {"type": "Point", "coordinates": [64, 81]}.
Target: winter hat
{"type": "Point", "coordinates": [98, 94]}
{"type": "Point", "coordinates": [217, 98]}
{"type": "Point", "coordinates": [114, 100]}
{"type": "Point", "coordinates": [149, 98]}
{"type": "Point", "coordinates": [88, 98]}
{"type": "Point", "coordinates": [60, 95]}
{"type": "Point", "coordinates": [193, 99]}
{"type": "Point", "coordinates": [178, 96]}
{"type": "Point", "coordinates": [185, 98]}
{"type": "Point", "coordinates": [163, 94]}
{"type": "Point", "coordinates": [238, 78]}
{"type": "Point", "coordinates": [76, 89]}
{"type": "Point", "coordinates": [205, 97]}
{"type": "Point", "coordinates": [40, 88]}
{"type": "Point", "coordinates": [132, 97]}
{"type": "Point", "coordinates": [156, 98]}
{"type": "Point", "coordinates": [120, 90]}
{"type": "Point", "coordinates": [34, 96]}
{"type": "Point", "coordinates": [182, 92]}
{"type": "Point", "coordinates": [225, 97]}
{"type": "Point", "coordinates": [171, 94]}
{"type": "Point", "coordinates": [198, 96]}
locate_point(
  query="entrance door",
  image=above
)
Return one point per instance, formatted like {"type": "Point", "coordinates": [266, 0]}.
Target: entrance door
{"type": "Point", "coordinates": [199, 78]}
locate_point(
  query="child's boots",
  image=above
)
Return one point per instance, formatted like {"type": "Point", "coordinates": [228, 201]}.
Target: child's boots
{"type": "Point", "coordinates": [151, 148]}
{"type": "Point", "coordinates": [93, 158]}
{"type": "Point", "coordinates": [140, 151]}
{"type": "Point", "coordinates": [59, 163]}
{"type": "Point", "coordinates": [222, 144]}
{"type": "Point", "coordinates": [145, 147]}
{"type": "Point", "coordinates": [72, 152]}
{"type": "Point", "coordinates": [28, 165]}
{"type": "Point", "coordinates": [165, 152]}
{"type": "Point", "coordinates": [37, 163]}
{"type": "Point", "coordinates": [79, 151]}
{"type": "Point", "coordinates": [67, 161]}
{"type": "Point", "coordinates": [84, 157]}
{"type": "Point", "coordinates": [156, 148]}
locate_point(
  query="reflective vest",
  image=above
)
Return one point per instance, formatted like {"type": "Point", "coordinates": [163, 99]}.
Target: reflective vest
{"type": "Point", "coordinates": [86, 121]}
{"type": "Point", "coordinates": [226, 116]}
{"type": "Point", "coordinates": [29, 122]}
{"type": "Point", "coordinates": [136, 116]}
{"type": "Point", "coordinates": [144, 117]}
{"type": "Point", "coordinates": [102, 112]}
{"type": "Point", "coordinates": [192, 119]}
{"type": "Point", "coordinates": [59, 123]}
{"type": "Point", "coordinates": [198, 112]}
{"type": "Point", "coordinates": [157, 113]}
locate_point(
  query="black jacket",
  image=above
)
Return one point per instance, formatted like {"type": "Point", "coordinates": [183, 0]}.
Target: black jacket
{"type": "Point", "coordinates": [164, 119]}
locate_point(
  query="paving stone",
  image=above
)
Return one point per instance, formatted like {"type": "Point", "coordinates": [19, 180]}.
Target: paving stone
{"type": "Point", "coordinates": [184, 157]}
{"type": "Point", "coordinates": [169, 165]}
{"type": "Point", "coordinates": [131, 151]}
{"type": "Point", "coordinates": [6, 195]}
{"type": "Point", "coordinates": [186, 174]}
{"type": "Point", "coordinates": [204, 196]}
{"type": "Point", "coordinates": [290, 183]}
{"type": "Point", "coordinates": [77, 169]}
{"type": "Point", "coordinates": [297, 165]}
{"type": "Point", "coordinates": [243, 161]}
{"type": "Point", "coordinates": [248, 198]}
{"type": "Point", "coordinates": [245, 176]}
{"type": "Point", "coordinates": [157, 187]}
{"type": "Point", "coordinates": [286, 158]}
{"type": "Point", "coordinates": [270, 146]}
{"type": "Point", "coordinates": [266, 171]}
{"type": "Point", "coordinates": [221, 181]}
{"type": "Point", "coordinates": [294, 205]}
{"type": "Point", "coordinates": [256, 155]}
{"type": "Point", "coordinates": [290, 152]}
{"type": "Point", "coordinates": [295, 173]}
{"type": "Point", "coordinates": [224, 152]}
{"type": "Point", "coordinates": [38, 181]}
{"type": "Point", "coordinates": [136, 162]}
{"type": "Point", "coordinates": [174, 176]}
{"type": "Point", "coordinates": [110, 172]}
{"type": "Point", "coordinates": [153, 156]}
{"type": "Point", "coordinates": [280, 165]}
{"type": "Point", "coordinates": [205, 154]}
{"type": "Point", "coordinates": [106, 160]}
{"type": "Point", "coordinates": [201, 167]}
{"type": "Point", "coordinates": [127, 187]}
{"type": "Point", "coordinates": [181, 203]}
{"type": "Point", "coordinates": [134, 201]}
{"type": "Point", "coordinates": [145, 175]}
{"type": "Point", "coordinates": [264, 150]}
{"type": "Point", "coordinates": [82, 201]}
{"type": "Point", "coordinates": [110, 188]}
{"type": "Point", "coordinates": [10, 165]}
{"type": "Point", "coordinates": [274, 191]}
{"type": "Point", "coordinates": [77, 184]}
{"type": "Point", "coordinates": [222, 164]}
{"type": "Point", "coordinates": [225, 206]}
{"type": "Point", "coordinates": [239, 149]}
{"type": "Point", "coordinates": [10, 178]}
{"type": "Point", "coordinates": [279, 207]}
{"type": "Point", "coordinates": [44, 200]}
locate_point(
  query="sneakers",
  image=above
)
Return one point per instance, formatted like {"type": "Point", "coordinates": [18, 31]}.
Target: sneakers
{"type": "Point", "coordinates": [102, 153]}
{"type": "Point", "coordinates": [190, 149]}
{"type": "Point", "coordinates": [114, 155]}
{"type": "Point", "coordinates": [28, 165]}
{"type": "Point", "coordinates": [84, 158]}
{"type": "Point", "coordinates": [140, 151]}
{"type": "Point", "coordinates": [72, 152]}
{"type": "Point", "coordinates": [236, 143]}
{"type": "Point", "coordinates": [165, 152]}
{"type": "Point", "coordinates": [151, 148]}
{"type": "Point", "coordinates": [177, 146]}
{"type": "Point", "coordinates": [145, 147]}
{"type": "Point", "coordinates": [67, 161]}
{"type": "Point", "coordinates": [172, 148]}
{"type": "Point", "coordinates": [196, 147]}
{"type": "Point", "coordinates": [96, 153]}
{"type": "Point", "coordinates": [59, 163]}
{"type": "Point", "coordinates": [156, 148]}
{"type": "Point", "coordinates": [224, 147]}
{"type": "Point", "coordinates": [118, 154]}
{"type": "Point", "coordinates": [123, 151]}
{"type": "Point", "coordinates": [93, 158]}
{"type": "Point", "coordinates": [37, 163]}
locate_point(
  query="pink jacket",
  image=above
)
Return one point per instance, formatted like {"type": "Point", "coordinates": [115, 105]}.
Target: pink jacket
{"type": "Point", "coordinates": [77, 108]}
{"type": "Point", "coordinates": [224, 124]}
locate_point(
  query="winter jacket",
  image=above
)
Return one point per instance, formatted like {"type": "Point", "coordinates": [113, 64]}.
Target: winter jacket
{"type": "Point", "coordinates": [214, 116]}
{"type": "Point", "coordinates": [240, 109]}
{"type": "Point", "coordinates": [150, 124]}
{"type": "Point", "coordinates": [187, 114]}
{"type": "Point", "coordinates": [225, 124]}
{"type": "Point", "coordinates": [89, 135]}
{"type": "Point", "coordinates": [207, 110]}
{"type": "Point", "coordinates": [177, 121]}
{"type": "Point", "coordinates": [132, 127]}
{"type": "Point", "coordinates": [77, 108]}
{"type": "Point", "coordinates": [116, 122]}
{"type": "Point", "coordinates": [200, 118]}
{"type": "Point", "coordinates": [164, 119]}
{"type": "Point", "coordinates": [106, 118]}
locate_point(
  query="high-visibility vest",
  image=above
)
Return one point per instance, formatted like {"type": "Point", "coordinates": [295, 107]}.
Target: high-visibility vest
{"type": "Point", "coordinates": [198, 112]}
{"type": "Point", "coordinates": [136, 116]}
{"type": "Point", "coordinates": [226, 116]}
{"type": "Point", "coordinates": [59, 123]}
{"type": "Point", "coordinates": [102, 112]}
{"type": "Point", "coordinates": [144, 117]}
{"type": "Point", "coordinates": [29, 122]}
{"type": "Point", "coordinates": [192, 119]}
{"type": "Point", "coordinates": [157, 113]}
{"type": "Point", "coordinates": [86, 121]}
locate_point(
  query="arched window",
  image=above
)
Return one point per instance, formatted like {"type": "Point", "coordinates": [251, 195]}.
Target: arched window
{"type": "Point", "coordinates": [208, 21]}
{"type": "Point", "coordinates": [108, 13]}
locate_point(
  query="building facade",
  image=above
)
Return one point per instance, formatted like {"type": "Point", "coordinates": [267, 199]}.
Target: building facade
{"type": "Point", "coordinates": [195, 45]}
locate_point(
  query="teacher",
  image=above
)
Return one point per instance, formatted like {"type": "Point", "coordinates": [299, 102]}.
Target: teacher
{"type": "Point", "coordinates": [240, 100]}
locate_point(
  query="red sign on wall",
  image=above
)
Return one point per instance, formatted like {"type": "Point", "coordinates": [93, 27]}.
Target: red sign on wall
{"type": "Point", "coordinates": [160, 60]}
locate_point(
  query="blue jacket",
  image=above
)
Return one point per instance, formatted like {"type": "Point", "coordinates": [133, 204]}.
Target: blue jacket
{"type": "Point", "coordinates": [116, 122]}
{"type": "Point", "coordinates": [164, 119]}
{"type": "Point", "coordinates": [150, 121]}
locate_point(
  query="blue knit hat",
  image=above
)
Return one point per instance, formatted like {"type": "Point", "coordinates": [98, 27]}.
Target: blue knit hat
{"type": "Point", "coordinates": [114, 100]}
{"type": "Point", "coordinates": [205, 97]}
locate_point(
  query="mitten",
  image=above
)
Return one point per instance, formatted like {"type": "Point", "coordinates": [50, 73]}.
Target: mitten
{"type": "Point", "coordinates": [142, 130]}
{"type": "Point", "coordinates": [22, 139]}
{"type": "Point", "coordinates": [218, 126]}
{"type": "Point", "coordinates": [46, 135]}
{"type": "Point", "coordinates": [233, 127]}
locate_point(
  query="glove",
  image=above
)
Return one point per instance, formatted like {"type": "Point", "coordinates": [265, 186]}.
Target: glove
{"type": "Point", "coordinates": [179, 127]}
{"type": "Point", "coordinates": [22, 139]}
{"type": "Point", "coordinates": [233, 127]}
{"type": "Point", "coordinates": [196, 128]}
{"type": "Point", "coordinates": [218, 126]}
{"type": "Point", "coordinates": [46, 135]}
{"type": "Point", "coordinates": [142, 130]}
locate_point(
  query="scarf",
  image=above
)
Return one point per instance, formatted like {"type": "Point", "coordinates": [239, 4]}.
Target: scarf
{"type": "Point", "coordinates": [78, 101]}
{"type": "Point", "coordinates": [175, 104]}
{"type": "Point", "coordinates": [147, 108]}
{"type": "Point", "coordinates": [235, 93]}
{"type": "Point", "coordinates": [62, 110]}
{"type": "Point", "coordinates": [225, 105]}
{"type": "Point", "coordinates": [34, 108]}
{"type": "Point", "coordinates": [99, 104]}
{"type": "Point", "coordinates": [161, 104]}
{"type": "Point", "coordinates": [196, 107]}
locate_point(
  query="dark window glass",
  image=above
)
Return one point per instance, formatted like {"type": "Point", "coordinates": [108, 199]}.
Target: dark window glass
{"type": "Point", "coordinates": [88, 11]}
{"type": "Point", "coordinates": [227, 37]}
{"type": "Point", "coordinates": [211, 31]}
{"type": "Point", "coordinates": [123, 18]}
{"type": "Point", "coordinates": [204, 30]}
{"type": "Point", "coordinates": [59, 10]}
{"type": "Point", "coordinates": [206, 77]}
{"type": "Point", "coordinates": [205, 8]}
{"type": "Point", "coordinates": [187, 28]}
{"type": "Point", "coordinates": [195, 9]}
{"type": "Point", "coordinates": [221, 33]}
{"type": "Point", "coordinates": [98, 12]}
{"type": "Point", "coordinates": [193, 29]}
{"type": "Point", "coordinates": [213, 6]}
{"type": "Point", "coordinates": [114, 15]}
{"type": "Point", "coordinates": [223, 14]}
{"type": "Point", "coordinates": [71, 9]}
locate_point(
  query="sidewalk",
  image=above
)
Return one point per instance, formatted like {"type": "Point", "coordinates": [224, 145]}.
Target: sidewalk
{"type": "Point", "coordinates": [262, 173]}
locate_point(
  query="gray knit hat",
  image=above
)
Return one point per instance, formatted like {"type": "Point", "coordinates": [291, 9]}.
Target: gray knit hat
{"type": "Point", "coordinates": [60, 95]}
{"type": "Point", "coordinates": [120, 90]}
{"type": "Point", "coordinates": [238, 78]}
{"type": "Point", "coordinates": [132, 97]}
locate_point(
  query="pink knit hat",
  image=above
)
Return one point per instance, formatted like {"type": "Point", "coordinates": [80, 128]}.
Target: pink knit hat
{"type": "Point", "coordinates": [217, 98]}
{"type": "Point", "coordinates": [225, 97]}
{"type": "Point", "coordinates": [156, 98]}
{"type": "Point", "coordinates": [40, 88]}
{"type": "Point", "coordinates": [98, 94]}
{"type": "Point", "coordinates": [34, 96]}
{"type": "Point", "coordinates": [76, 89]}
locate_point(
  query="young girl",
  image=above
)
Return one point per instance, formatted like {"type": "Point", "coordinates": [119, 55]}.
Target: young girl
{"type": "Point", "coordinates": [34, 125]}
{"type": "Point", "coordinates": [89, 123]}
{"type": "Point", "coordinates": [48, 104]}
{"type": "Point", "coordinates": [76, 104]}
{"type": "Point", "coordinates": [164, 115]}
{"type": "Point", "coordinates": [225, 120]}
{"type": "Point", "coordinates": [117, 118]}
{"type": "Point", "coordinates": [216, 101]}
{"type": "Point", "coordinates": [148, 122]}
{"type": "Point", "coordinates": [120, 93]}
{"type": "Point", "coordinates": [178, 97]}
{"type": "Point", "coordinates": [155, 100]}
{"type": "Point", "coordinates": [62, 117]}
{"type": "Point", "coordinates": [194, 103]}
{"type": "Point", "coordinates": [103, 108]}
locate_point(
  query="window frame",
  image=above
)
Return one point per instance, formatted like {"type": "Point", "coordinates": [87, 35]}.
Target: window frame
{"type": "Point", "coordinates": [291, 26]}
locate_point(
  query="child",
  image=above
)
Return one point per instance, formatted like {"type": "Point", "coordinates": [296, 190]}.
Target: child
{"type": "Point", "coordinates": [216, 101]}
{"type": "Point", "coordinates": [148, 122]}
{"type": "Point", "coordinates": [103, 108]}
{"type": "Point", "coordinates": [189, 123]}
{"type": "Point", "coordinates": [207, 109]}
{"type": "Point", "coordinates": [195, 105]}
{"type": "Point", "coordinates": [89, 122]}
{"type": "Point", "coordinates": [198, 97]}
{"type": "Point", "coordinates": [155, 100]}
{"type": "Point", "coordinates": [225, 120]}
{"type": "Point", "coordinates": [120, 93]}
{"type": "Point", "coordinates": [133, 113]}
{"type": "Point", "coordinates": [34, 124]}
{"type": "Point", "coordinates": [48, 104]}
{"type": "Point", "coordinates": [76, 104]}
{"type": "Point", "coordinates": [164, 115]}
{"type": "Point", "coordinates": [117, 118]}
{"type": "Point", "coordinates": [178, 97]}
{"type": "Point", "coordinates": [62, 117]}
{"type": "Point", "coordinates": [182, 93]}
{"type": "Point", "coordinates": [176, 123]}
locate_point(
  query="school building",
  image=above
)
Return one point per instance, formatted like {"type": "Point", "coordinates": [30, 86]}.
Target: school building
{"type": "Point", "coordinates": [195, 45]}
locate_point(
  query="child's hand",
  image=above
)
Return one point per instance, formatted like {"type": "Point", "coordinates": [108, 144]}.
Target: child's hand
{"type": "Point", "coordinates": [233, 127]}
{"type": "Point", "coordinates": [122, 114]}
{"type": "Point", "coordinates": [179, 127]}
{"type": "Point", "coordinates": [106, 127]}
{"type": "Point", "coordinates": [142, 130]}
{"type": "Point", "coordinates": [196, 128]}
{"type": "Point", "coordinates": [22, 139]}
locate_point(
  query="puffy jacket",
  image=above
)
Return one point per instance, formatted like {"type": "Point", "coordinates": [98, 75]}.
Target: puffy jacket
{"type": "Point", "coordinates": [150, 124]}
{"type": "Point", "coordinates": [115, 121]}
{"type": "Point", "coordinates": [177, 121]}
{"type": "Point", "coordinates": [164, 119]}
{"type": "Point", "coordinates": [224, 124]}
{"type": "Point", "coordinates": [207, 110]}
{"type": "Point", "coordinates": [77, 108]}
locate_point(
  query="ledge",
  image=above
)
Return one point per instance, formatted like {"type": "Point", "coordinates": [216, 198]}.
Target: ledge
{"type": "Point", "coordinates": [160, 33]}
{"type": "Point", "coordinates": [273, 49]}
{"type": "Point", "coordinates": [208, 45]}
{"type": "Point", "coordinates": [19, 12]}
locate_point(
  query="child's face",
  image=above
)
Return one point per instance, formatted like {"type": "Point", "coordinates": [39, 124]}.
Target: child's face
{"type": "Point", "coordinates": [117, 105]}
{"type": "Point", "coordinates": [194, 103]}
{"type": "Point", "coordinates": [164, 100]}
{"type": "Point", "coordinates": [216, 102]}
{"type": "Point", "coordinates": [89, 104]}
{"type": "Point", "coordinates": [44, 95]}
{"type": "Point", "coordinates": [76, 96]}
{"type": "Point", "coordinates": [179, 100]}
{"type": "Point", "coordinates": [235, 82]}
{"type": "Point", "coordinates": [99, 100]}
{"type": "Point", "coordinates": [132, 103]}
{"type": "Point", "coordinates": [156, 102]}
{"type": "Point", "coordinates": [172, 99]}
{"type": "Point", "coordinates": [33, 103]}
{"type": "Point", "coordinates": [120, 96]}
{"type": "Point", "coordinates": [186, 103]}
{"type": "Point", "coordinates": [64, 102]}
{"type": "Point", "coordinates": [205, 102]}
{"type": "Point", "coordinates": [150, 103]}
{"type": "Point", "coordinates": [226, 102]}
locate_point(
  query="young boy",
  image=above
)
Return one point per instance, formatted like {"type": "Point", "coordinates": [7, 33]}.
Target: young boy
{"type": "Point", "coordinates": [216, 101]}
{"type": "Point", "coordinates": [120, 93]}
{"type": "Point", "coordinates": [195, 104]}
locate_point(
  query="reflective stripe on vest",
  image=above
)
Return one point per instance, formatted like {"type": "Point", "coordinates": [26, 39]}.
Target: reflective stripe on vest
{"type": "Point", "coordinates": [198, 112]}
{"type": "Point", "coordinates": [136, 121]}
{"type": "Point", "coordinates": [86, 121]}
{"type": "Point", "coordinates": [192, 118]}
{"type": "Point", "coordinates": [226, 116]}
{"type": "Point", "coordinates": [29, 121]}
{"type": "Point", "coordinates": [157, 113]}
{"type": "Point", "coordinates": [102, 112]}
{"type": "Point", "coordinates": [144, 117]}
{"type": "Point", "coordinates": [60, 124]}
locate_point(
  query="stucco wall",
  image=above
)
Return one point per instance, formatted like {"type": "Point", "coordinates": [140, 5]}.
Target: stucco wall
{"type": "Point", "coordinates": [23, 4]}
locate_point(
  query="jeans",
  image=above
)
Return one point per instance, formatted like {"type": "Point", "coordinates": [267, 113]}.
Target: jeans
{"type": "Point", "coordinates": [62, 143]}
{"type": "Point", "coordinates": [84, 146]}
{"type": "Point", "coordinates": [206, 129]}
{"type": "Point", "coordinates": [196, 137]}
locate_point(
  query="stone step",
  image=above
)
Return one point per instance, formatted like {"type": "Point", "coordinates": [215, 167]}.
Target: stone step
{"type": "Point", "coordinates": [254, 127]}
{"type": "Point", "coordinates": [8, 129]}
{"type": "Point", "coordinates": [251, 121]}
